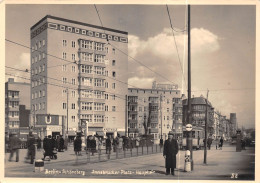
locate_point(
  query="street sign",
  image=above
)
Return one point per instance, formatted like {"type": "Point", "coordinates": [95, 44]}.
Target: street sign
{"type": "Point", "coordinates": [188, 127]}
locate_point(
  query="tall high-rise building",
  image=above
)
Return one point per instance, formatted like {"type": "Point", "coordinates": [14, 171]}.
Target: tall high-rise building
{"type": "Point", "coordinates": [79, 71]}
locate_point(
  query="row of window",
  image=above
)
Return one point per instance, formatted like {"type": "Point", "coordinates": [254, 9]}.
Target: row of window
{"type": "Point", "coordinates": [73, 93]}
{"type": "Point", "coordinates": [64, 106]}
{"type": "Point", "coordinates": [64, 56]}
{"type": "Point", "coordinates": [73, 68]}
{"type": "Point", "coordinates": [40, 106]}
{"type": "Point", "coordinates": [65, 43]}
{"type": "Point", "coordinates": [14, 124]}
{"type": "Point", "coordinates": [38, 45]}
{"type": "Point", "coordinates": [38, 70]}
{"type": "Point", "coordinates": [13, 114]}
{"type": "Point", "coordinates": [13, 104]}
{"type": "Point", "coordinates": [38, 94]}
{"type": "Point", "coordinates": [13, 94]}
{"type": "Point", "coordinates": [39, 57]}
{"type": "Point", "coordinates": [153, 125]}
{"type": "Point", "coordinates": [38, 82]}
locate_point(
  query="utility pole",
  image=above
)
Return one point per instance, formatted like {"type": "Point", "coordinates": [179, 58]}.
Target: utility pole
{"type": "Point", "coordinates": [161, 114]}
{"type": "Point", "coordinates": [67, 111]}
{"type": "Point", "coordinates": [126, 116]}
{"type": "Point", "coordinates": [206, 130]}
{"type": "Point", "coordinates": [189, 133]}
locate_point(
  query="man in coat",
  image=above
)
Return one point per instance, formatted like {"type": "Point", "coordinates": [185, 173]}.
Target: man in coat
{"type": "Point", "coordinates": [14, 145]}
{"type": "Point", "coordinates": [169, 152]}
{"type": "Point", "coordinates": [108, 145]}
{"type": "Point", "coordinates": [31, 146]}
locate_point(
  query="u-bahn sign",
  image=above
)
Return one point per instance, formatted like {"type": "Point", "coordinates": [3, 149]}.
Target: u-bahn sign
{"type": "Point", "coordinates": [188, 127]}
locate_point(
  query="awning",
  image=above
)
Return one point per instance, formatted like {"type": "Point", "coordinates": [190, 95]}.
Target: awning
{"type": "Point", "coordinates": [100, 133]}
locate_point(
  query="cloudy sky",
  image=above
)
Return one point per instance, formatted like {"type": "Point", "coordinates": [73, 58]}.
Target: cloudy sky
{"type": "Point", "coordinates": [222, 46]}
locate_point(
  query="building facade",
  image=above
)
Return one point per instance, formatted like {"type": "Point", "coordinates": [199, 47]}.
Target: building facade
{"type": "Point", "coordinates": [76, 68]}
{"type": "Point", "coordinates": [198, 113]}
{"type": "Point", "coordinates": [17, 105]}
{"type": "Point", "coordinates": [233, 124]}
{"type": "Point", "coordinates": [154, 111]}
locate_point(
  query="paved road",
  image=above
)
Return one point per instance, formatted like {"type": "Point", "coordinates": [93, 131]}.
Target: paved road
{"type": "Point", "coordinates": [222, 165]}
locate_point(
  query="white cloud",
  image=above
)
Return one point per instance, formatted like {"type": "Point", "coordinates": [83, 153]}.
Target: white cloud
{"type": "Point", "coordinates": [140, 82]}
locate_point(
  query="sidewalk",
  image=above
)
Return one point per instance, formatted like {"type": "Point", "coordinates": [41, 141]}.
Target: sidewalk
{"type": "Point", "coordinates": [222, 164]}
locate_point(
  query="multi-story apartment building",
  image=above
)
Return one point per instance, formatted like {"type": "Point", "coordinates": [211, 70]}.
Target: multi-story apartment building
{"type": "Point", "coordinates": [78, 74]}
{"type": "Point", "coordinates": [154, 111]}
{"type": "Point", "coordinates": [198, 113]}
{"type": "Point", "coordinates": [17, 105]}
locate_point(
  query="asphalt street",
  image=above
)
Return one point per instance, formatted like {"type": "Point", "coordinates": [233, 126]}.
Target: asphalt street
{"type": "Point", "coordinates": [225, 164]}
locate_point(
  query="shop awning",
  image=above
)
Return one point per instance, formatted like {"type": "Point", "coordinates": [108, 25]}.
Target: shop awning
{"type": "Point", "coordinates": [100, 133]}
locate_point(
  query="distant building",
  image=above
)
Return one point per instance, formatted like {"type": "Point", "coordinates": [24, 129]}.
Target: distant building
{"type": "Point", "coordinates": [161, 86]}
{"type": "Point", "coordinates": [198, 113]}
{"type": "Point", "coordinates": [154, 111]}
{"type": "Point", "coordinates": [17, 105]}
{"type": "Point", "coordinates": [73, 61]}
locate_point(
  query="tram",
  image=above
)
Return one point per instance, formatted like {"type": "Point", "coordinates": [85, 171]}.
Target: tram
{"type": "Point", "coordinates": [198, 134]}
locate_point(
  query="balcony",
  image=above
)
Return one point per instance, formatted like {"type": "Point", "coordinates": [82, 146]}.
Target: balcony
{"type": "Point", "coordinates": [85, 50]}
{"type": "Point", "coordinates": [100, 52]}
{"type": "Point", "coordinates": [100, 64]}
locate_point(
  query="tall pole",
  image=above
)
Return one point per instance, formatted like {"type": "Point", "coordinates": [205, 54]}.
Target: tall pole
{"type": "Point", "coordinates": [206, 130]}
{"type": "Point", "coordinates": [126, 116]}
{"type": "Point", "coordinates": [67, 111]}
{"type": "Point", "coordinates": [189, 138]}
{"type": "Point", "coordinates": [161, 114]}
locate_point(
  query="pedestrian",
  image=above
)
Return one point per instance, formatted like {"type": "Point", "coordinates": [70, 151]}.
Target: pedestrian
{"type": "Point", "coordinates": [48, 147]}
{"type": "Point", "coordinates": [221, 143]}
{"type": "Point", "coordinates": [243, 144]}
{"type": "Point", "coordinates": [6, 142]}
{"type": "Point", "coordinates": [120, 144]}
{"type": "Point", "coordinates": [99, 145]}
{"type": "Point", "coordinates": [209, 142]}
{"type": "Point", "coordinates": [169, 153]}
{"type": "Point", "coordinates": [39, 143]}
{"type": "Point", "coordinates": [14, 145]}
{"type": "Point", "coordinates": [137, 142]}
{"type": "Point", "coordinates": [115, 143]}
{"type": "Point", "coordinates": [58, 143]}
{"type": "Point", "coordinates": [108, 145]}
{"type": "Point", "coordinates": [61, 144]}
{"type": "Point", "coordinates": [31, 146]}
{"type": "Point", "coordinates": [93, 145]}
{"type": "Point", "coordinates": [77, 145]}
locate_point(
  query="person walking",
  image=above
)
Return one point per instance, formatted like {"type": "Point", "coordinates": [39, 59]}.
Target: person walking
{"type": "Point", "coordinates": [14, 145]}
{"type": "Point", "coordinates": [77, 145]}
{"type": "Point", "coordinates": [31, 146]}
{"type": "Point", "coordinates": [221, 143]}
{"type": "Point", "coordinates": [61, 144]}
{"type": "Point", "coordinates": [209, 142]}
{"type": "Point", "coordinates": [120, 144]}
{"type": "Point", "coordinates": [108, 145]}
{"type": "Point", "coordinates": [169, 153]}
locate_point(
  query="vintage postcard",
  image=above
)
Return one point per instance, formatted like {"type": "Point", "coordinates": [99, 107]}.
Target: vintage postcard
{"type": "Point", "coordinates": [110, 91]}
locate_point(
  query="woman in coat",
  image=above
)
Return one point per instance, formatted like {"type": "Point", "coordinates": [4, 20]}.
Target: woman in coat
{"type": "Point", "coordinates": [169, 152]}
{"type": "Point", "coordinates": [77, 145]}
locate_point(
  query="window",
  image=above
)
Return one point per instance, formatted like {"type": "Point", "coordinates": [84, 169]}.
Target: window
{"type": "Point", "coordinates": [43, 55]}
{"type": "Point", "coordinates": [64, 55]}
{"type": "Point", "coordinates": [86, 94]}
{"type": "Point", "coordinates": [73, 93]}
{"type": "Point", "coordinates": [114, 74]}
{"type": "Point", "coordinates": [98, 106]}
{"type": "Point", "coordinates": [113, 108]}
{"type": "Point", "coordinates": [43, 79]}
{"type": "Point", "coordinates": [40, 106]}
{"type": "Point", "coordinates": [73, 81]}
{"type": "Point", "coordinates": [40, 57]}
{"type": "Point", "coordinates": [73, 106]}
{"type": "Point", "coordinates": [73, 118]}
{"type": "Point", "coordinates": [86, 69]}
{"type": "Point", "coordinates": [64, 105]}
{"type": "Point", "coordinates": [99, 58]}
{"type": "Point", "coordinates": [64, 43]}
{"type": "Point", "coordinates": [114, 51]}
{"type": "Point", "coordinates": [88, 117]}
{"type": "Point", "coordinates": [99, 46]}
{"type": "Point", "coordinates": [87, 57]}
{"type": "Point", "coordinates": [43, 68]}
{"type": "Point", "coordinates": [43, 105]}
{"type": "Point", "coordinates": [99, 83]}
{"type": "Point", "coordinates": [73, 44]}
{"type": "Point", "coordinates": [32, 96]}
{"type": "Point", "coordinates": [39, 44]}
{"type": "Point", "coordinates": [114, 85]}
{"type": "Point", "coordinates": [64, 93]}
{"type": "Point", "coordinates": [43, 42]}
{"type": "Point", "coordinates": [106, 96]}
{"type": "Point", "coordinates": [87, 44]}
{"type": "Point", "coordinates": [86, 81]}
{"type": "Point", "coordinates": [73, 57]}
{"type": "Point", "coordinates": [43, 93]}
{"type": "Point", "coordinates": [40, 93]}
{"type": "Point", "coordinates": [99, 70]}
{"type": "Point", "coordinates": [98, 119]}
{"type": "Point", "coordinates": [64, 67]}
{"type": "Point", "coordinates": [168, 101]}
{"type": "Point", "coordinates": [73, 68]}
{"type": "Point", "coordinates": [145, 109]}
{"type": "Point", "coordinates": [168, 118]}
{"type": "Point", "coordinates": [106, 84]}
{"type": "Point", "coordinates": [87, 106]}
{"type": "Point", "coordinates": [106, 108]}
{"type": "Point", "coordinates": [113, 63]}
{"type": "Point", "coordinates": [107, 49]}
{"type": "Point", "coordinates": [99, 94]}
{"type": "Point", "coordinates": [140, 109]}
{"type": "Point", "coordinates": [168, 109]}
{"type": "Point", "coordinates": [64, 80]}
{"type": "Point", "coordinates": [113, 97]}
{"type": "Point", "coordinates": [36, 59]}
{"type": "Point", "coordinates": [106, 73]}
